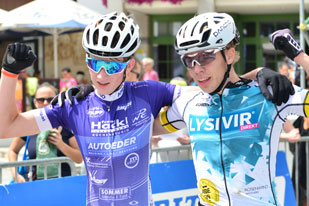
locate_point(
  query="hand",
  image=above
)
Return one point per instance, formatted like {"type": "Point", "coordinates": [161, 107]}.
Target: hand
{"type": "Point", "coordinates": [20, 178]}
{"type": "Point", "coordinates": [155, 140]}
{"type": "Point", "coordinates": [17, 57]}
{"type": "Point", "coordinates": [283, 40]}
{"type": "Point", "coordinates": [280, 84]}
{"type": "Point", "coordinates": [55, 137]}
{"type": "Point", "coordinates": [294, 136]}
{"type": "Point", "coordinates": [79, 91]}
{"type": "Point", "coordinates": [183, 140]}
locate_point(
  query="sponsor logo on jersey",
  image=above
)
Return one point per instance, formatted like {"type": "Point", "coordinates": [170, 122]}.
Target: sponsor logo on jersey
{"type": "Point", "coordinates": [110, 126]}
{"type": "Point", "coordinates": [131, 160]}
{"type": "Point", "coordinates": [243, 120]}
{"type": "Point", "coordinates": [124, 107]}
{"type": "Point", "coordinates": [209, 192]}
{"type": "Point", "coordinates": [95, 112]}
{"type": "Point", "coordinates": [99, 146]}
{"type": "Point", "coordinates": [115, 193]}
{"type": "Point", "coordinates": [42, 115]}
{"type": "Point", "coordinates": [140, 117]}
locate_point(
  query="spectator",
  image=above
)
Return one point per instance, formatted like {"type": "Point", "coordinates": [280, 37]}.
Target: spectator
{"type": "Point", "coordinates": [59, 140]}
{"type": "Point", "coordinates": [80, 78]}
{"type": "Point", "coordinates": [149, 74]}
{"type": "Point", "coordinates": [135, 73]}
{"type": "Point", "coordinates": [67, 80]}
{"type": "Point", "coordinates": [284, 69]}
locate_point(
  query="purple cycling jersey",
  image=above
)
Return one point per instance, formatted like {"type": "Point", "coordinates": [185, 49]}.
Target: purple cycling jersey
{"type": "Point", "coordinates": [113, 134]}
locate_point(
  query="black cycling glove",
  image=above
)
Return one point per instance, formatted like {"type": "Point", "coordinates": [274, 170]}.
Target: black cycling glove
{"type": "Point", "coordinates": [280, 84]}
{"type": "Point", "coordinates": [79, 91]}
{"type": "Point", "coordinates": [17, 57]}
{"type": "Point", "coordinates": [283, 40]}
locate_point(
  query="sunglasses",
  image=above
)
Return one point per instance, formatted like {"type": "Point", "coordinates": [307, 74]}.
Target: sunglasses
{"type": "Point", "coordinates": [136, 73]}
{"type": "Point", "coordinates": [202, 58]}
{"type": "Point", "coordinates": [110, 67]}
{"type": "Point", "coordinates": [42, 100]}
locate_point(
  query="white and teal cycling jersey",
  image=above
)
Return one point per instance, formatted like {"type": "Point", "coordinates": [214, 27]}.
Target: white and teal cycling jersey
{"type": "Point", "coordinates": [114, 134]}
{"type": "Point", "coordinates": [234, 139]}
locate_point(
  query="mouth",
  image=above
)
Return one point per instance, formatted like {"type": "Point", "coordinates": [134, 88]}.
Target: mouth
{"type": "Point", "coordinates": [204, 81]}
{"type": "Point", "coordinates": [103, 84]}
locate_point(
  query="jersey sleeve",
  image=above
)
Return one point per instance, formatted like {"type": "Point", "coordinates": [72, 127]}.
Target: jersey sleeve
{"type": "Point", "coordinates": [298, 104]}
{"type": "Point", "coordinates": [52, 116]}
{"type": "Point", "coordinates": [161, 94]}
{"type": "Point", "coordinates": [172, 119]}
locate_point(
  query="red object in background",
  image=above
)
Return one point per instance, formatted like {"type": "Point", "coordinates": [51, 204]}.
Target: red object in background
{"type": "Point", "coordinates": [104, 2]}
{"type": "Point", "coordinates": [150, 1]}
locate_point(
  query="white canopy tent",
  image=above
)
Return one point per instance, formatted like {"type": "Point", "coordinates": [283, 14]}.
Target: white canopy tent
{"type": "Point", "coordinates": [50, 16]}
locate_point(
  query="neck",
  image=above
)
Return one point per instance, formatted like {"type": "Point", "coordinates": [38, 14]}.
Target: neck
{"type": "Point", "coordinates": [233, 77]}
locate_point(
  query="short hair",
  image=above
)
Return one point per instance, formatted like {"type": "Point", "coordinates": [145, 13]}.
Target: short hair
{"type": "Point", "coordinates": [80, 72]}
{"type": "Point", "coordinates": [67, 69]}
{"type": "Point", "coordinates": [46, 84]}
{"type": "Point", "coordinates": [148, 60]}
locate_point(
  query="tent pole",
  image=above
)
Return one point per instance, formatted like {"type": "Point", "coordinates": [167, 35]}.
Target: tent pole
{"type": "Point", "coordinates": [55, 40]}
{"type": "Point", "coordinates": [302, 41]}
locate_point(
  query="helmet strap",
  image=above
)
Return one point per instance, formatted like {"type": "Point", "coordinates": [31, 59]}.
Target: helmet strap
{"type": "Point", "coordinates": [226, 75]}
{"type": "Point", "coordinates": [123, 79]}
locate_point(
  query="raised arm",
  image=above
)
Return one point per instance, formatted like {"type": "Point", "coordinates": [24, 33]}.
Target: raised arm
{"type": "Point", "coordinates": [284, 41]}
{"type": "Point", "coordinates": [17, 57]}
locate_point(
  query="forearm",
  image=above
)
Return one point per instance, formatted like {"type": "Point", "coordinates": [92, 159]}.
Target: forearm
{"type": "Point", "coordinates": [303, 60]}
{"type": "Point", "coordinates": [12, 157]}
{"type": "Point", "coordinates": [71, 152]}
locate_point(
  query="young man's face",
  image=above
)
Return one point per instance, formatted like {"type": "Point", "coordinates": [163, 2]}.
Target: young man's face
{"type": "Point", "coordinates": [104, 83]}
{"type": "Point", "coordinates": [209, 76]}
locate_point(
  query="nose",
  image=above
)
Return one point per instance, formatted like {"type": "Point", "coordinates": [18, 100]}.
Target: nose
{"type": "Point", "coordinates": [197, 68]}
{"type": "Point", "coordinates": [102, 73]}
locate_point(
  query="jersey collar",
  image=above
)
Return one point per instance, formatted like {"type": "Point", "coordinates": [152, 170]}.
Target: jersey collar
{"type": "Point", "coordinates": [111, 97]}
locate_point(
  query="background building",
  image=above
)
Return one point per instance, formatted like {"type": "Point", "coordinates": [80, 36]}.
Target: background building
{"type": "Point", "coordinates": [159, 22]}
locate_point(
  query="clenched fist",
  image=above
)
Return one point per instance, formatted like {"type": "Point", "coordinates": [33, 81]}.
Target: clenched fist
{"type": "Point", "coordinates": [17, 57]}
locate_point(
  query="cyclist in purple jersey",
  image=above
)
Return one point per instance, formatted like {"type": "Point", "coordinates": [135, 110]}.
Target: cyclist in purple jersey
{"type": "Point", "coordinates": [112, 125]}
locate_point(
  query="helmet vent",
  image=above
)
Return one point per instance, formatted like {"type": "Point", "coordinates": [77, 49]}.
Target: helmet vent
{"type": "Point", "coordinates": [113, 18]}
{"type": "Point", "coordinates": [204, 26]}
{"type": "Point", "coordinates": [219, 41]}
{"type": "Point", "coordinates": [98, 22]}
{"type": "Point", "coordinates": [194, 28]}
{"type": "Point", "coordinates": [189, 43]}
{"type": "Point", "coordinates": [184, 32]}
{"type": "Point", "coordinates": [124, 19]}
{"type": "Point", "coordinates": [121, 25]}
{"type": "Point", "coordinates": [108, 26]}
{"type": "Point", "coordinates": [132, 30]}
{"type": "Point", "coordinates": [95, 37]}
{"type": "Point", "coordinates": [133, 46]}
{"type": "Point", "coordinates": [217, 22]}
{"type": "Point", "coordinates": [115, 39]}
{"type": "Point", "coordinates": [87, 36]}
{"type": "Point", "coordinates": [125, 41]}
{"type": "Point", "coordinates": [206, 35]}
{"type": "Point", "coordinates": [104, 40]}
{"type": "Point", "coordinates": [179, 32]}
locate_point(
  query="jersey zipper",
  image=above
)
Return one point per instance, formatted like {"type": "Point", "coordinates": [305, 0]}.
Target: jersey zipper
{"type": "Point", "coordinates": [221, 155]}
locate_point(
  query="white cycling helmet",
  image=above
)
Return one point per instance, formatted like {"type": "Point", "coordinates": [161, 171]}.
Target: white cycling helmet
{"type": "Point", "coordinates": [111, 36]}
{"type": "Point", "coordinates": [206, 31]}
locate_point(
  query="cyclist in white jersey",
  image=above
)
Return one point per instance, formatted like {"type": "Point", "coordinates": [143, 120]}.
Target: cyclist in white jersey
{"type": "Point", "coordinates": [234, 129]}
{"type": "Point", "coordinates": [112, 125]}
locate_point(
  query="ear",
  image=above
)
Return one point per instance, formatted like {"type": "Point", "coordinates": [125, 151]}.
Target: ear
{"type": "Point", "coordinates": [230, 55]}
{"type": "Point", "coordinates": [131, 65]}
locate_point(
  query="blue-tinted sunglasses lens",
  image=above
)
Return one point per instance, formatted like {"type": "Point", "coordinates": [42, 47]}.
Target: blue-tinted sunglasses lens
{"type": "Point", "coordinates": [110, 67]}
